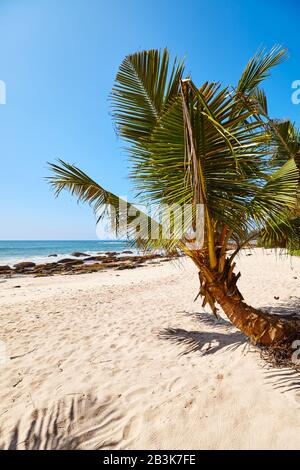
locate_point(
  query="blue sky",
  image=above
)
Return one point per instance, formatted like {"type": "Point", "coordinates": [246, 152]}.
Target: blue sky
{"type": "Point", "coordinates": [58, 59]}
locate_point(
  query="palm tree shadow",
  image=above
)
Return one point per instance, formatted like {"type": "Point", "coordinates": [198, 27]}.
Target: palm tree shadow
{"type": "Point", "coordinates": [285, 309]}
{"type": "Point", "coordinates": [209, 319]}
{"type": "Point", "coordinates": [285, 380]}
{"type": "Point", "coordinates": [206, 342]}
{"type": "Point", "coordinates": [77, 424]}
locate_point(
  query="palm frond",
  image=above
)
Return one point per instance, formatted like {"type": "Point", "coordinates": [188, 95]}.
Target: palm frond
{"type": "Point", "coordinates": [144, 87]}
{"type": "Point", "coordinates": [104, 203]}
{"type": "Point", "coordinates": [161, 172]}
{"type": "Point", "coordinates": [285, 141]}
{"type": "Point", "coordinates": [127, 220]}
{"type": "Point", "coordinates": [259, 98]}
{"type": "Point", "coordinates": [259, 68]}
{"type": "Point", "coordinates": [287, 234]}
{"type": "Point", "coordinates": [275, 201]}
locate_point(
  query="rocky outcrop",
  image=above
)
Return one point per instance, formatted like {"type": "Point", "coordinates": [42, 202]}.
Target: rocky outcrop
{"type": "Point", "coordinates": [95, 258]}
{"type": "Point", "coordinates": [5, 269]}
{"type": "Point", "coordinates": [24, 267]}
{"type": "Point", "coordinates": [24, 264]}
{"type": "Point", "coordinates": [70, 261]}
{"type": "Point", "coordinates": [90, 264]}
{"type": "Point", "coordinates": [46, 269]}
{"type": "Point", "coordinates": [78, 254]}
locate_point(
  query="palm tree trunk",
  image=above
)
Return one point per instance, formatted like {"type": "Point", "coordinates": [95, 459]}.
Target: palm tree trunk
{"type": "Point", "coordinates": [261, 327]}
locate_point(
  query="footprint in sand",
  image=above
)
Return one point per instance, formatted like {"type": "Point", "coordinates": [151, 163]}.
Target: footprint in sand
{"type": "Point", "coordinates": [132, 428]}
{"type": "Point", "coordinates": [137, 393]}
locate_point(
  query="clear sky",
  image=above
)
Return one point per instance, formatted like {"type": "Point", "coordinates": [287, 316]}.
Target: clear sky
{"type": "Point", "coordinates": [58, 59]}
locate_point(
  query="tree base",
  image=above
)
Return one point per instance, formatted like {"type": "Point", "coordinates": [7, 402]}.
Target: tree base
{"type": "Point", "coordinates": [261, 327]}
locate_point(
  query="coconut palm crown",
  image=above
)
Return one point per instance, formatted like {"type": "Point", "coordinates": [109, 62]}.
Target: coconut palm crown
{"type": "Point", "coordinates": [212, 146]}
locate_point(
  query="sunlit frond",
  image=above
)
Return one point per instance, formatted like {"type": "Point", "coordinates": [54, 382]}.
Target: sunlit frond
{"type": "Point", "coordinates": [259, 68]}
{"type": "Point", "coordinates": [145, 85]}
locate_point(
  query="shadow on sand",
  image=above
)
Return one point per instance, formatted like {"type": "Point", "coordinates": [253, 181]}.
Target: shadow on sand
{"type": "Point", "coordinates": [290, 308]}
{"type": "Point", "coordinates": [76, 424]}
{"type": "Point", "coordinates": [206, 342]}
{"type": "Point", "coordinates": [285, 379]}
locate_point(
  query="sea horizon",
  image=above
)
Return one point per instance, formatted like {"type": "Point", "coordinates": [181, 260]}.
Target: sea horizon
{"type": "Point", "coordinates": [40, 251]}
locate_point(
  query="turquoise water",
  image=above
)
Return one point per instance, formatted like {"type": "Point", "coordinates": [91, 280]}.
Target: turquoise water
{"type": "Point", "coordinates": [39, 250]}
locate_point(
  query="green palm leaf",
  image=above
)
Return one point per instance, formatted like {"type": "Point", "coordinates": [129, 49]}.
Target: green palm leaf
{"type": "Point", "coordinates": [285, 139]}
{"type": "Point", "coordinates": [79, 184]}
{"type": "Point", "coordinates": [145, 85]}
{"type": "Point", "coordinates": [259, 68]}
{"type": "Point", "coordinates": [127, 219]}
{"type": "Point", "coordinates": [271, 206]}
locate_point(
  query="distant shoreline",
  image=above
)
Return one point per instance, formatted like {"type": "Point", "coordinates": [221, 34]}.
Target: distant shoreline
{"type": "Point", "coordinates": [40, 251]}
{"type": "Point", "coordinates": [82, 263]}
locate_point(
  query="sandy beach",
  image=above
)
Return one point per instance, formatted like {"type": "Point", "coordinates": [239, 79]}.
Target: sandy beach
{"type": "Point", "coordinates": [141, 364]}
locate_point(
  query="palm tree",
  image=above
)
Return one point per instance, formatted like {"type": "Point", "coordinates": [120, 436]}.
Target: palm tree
{"type": "Point", "coordinates": [212, 146]}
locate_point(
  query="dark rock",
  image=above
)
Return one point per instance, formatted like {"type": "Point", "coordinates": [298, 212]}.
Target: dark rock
{"type": "Point", "coordinates": [138, 258]}
{"type": "Point", "coordinates": [69, 261]}
{"type": "Point", "coordinates": [112, 253]}
{"type": "Point", "coordinates": [129, 258]}
{"type": "Point", "coordinates": [65, 260]}
{"type": "Point", "coordinates": [112, 264]}
{"type": "Point", "coordinates": [88, 268]}
{"type": "Point", "coordinates": [110, 259]}
{"type": "Point", "coordinates": [74, 262]}
{"type": "Point", "coordinates": [127, 252]}
{"type": "Point", "coordinates": [69, 265]}
{"type": "Point", "coordinates": [24, 265]}
{"type": "Point", "coordinates": [5, 269]}
{"type": "Point", "coordinates": [77, 254]}
{"type": "Point", "coordinates": [127, 266]}
{"type": "Point", "coordinates": [46, 266]}
{"type": "Point", "coordinates": [52, 255]}
{"type": "Point", "coordinates": [95, 258]}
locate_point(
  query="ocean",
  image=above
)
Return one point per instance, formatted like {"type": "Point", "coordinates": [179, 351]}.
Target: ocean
{"type": "Point", "coordinates": [38, 251]}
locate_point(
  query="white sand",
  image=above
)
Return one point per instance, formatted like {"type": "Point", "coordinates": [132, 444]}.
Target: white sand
{"type": "Point", "coordinates": [97, 336]}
